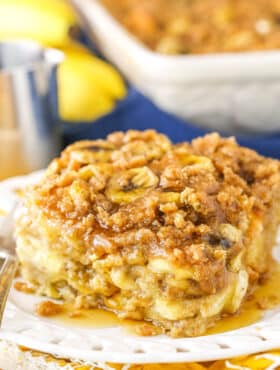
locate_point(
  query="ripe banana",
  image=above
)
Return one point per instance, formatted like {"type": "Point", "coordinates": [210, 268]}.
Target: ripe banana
{"type": "Point", "coordinates": [45, 21]}
{"type": "Point", "coordinates": [88, 87]}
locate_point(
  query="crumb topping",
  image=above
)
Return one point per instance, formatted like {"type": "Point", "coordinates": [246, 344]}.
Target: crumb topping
{"type": "Point", "coordinates": [24, 287]}
{"type": "Point", "coordinates": [201, 26]}
{"type": "Point", "coordinates": [191, 203]}
{"type": "Point", "coordinates": [48, 308]}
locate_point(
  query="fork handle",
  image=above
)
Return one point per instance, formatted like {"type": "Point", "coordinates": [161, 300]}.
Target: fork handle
{"type": "Point", "coordinates": [7, 274]}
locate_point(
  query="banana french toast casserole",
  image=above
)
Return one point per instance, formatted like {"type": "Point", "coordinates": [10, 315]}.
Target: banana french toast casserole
{"type": "Point", "coordinates": [201, 26]}
{"type": "Point", "coordinates": [176, 235]}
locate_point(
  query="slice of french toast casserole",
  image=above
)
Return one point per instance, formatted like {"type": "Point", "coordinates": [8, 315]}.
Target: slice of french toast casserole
{"type": "Point", "coordinates": [176, 235]}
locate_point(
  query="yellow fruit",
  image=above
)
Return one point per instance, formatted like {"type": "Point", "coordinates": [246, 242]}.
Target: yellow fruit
{"type": "Point", "coordinates": [131, 184]}
{"type": "Point", "coordinates": [170, 197]}
{"type": "Point", "coordinates": [102, 73]}
{"type": "Point", "coordinates": [196, 160]}
{"type": "Point", "coordinates": [96, 151]}
{"type": "Point", "coordinates": [88, 87]}
{"type": "Point", "coordinates": [187, 159]}
{"type": "Point", "coordinates": [96, 170]}
{"type": "Point", "coordinates": [45, 21]}
{"type": "Point", "coordinates": [79, 98]}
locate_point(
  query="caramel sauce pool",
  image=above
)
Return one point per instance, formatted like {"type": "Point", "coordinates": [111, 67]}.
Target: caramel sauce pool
{"type": "Point", "coordinates": [266, 296]}
{"type": "Point", "coordinates": [92, 318]}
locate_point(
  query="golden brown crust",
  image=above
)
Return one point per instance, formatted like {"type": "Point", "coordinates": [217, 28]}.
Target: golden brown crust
{"type": "Point", "coordinates": [206, 192]}
{"type": "Point", "coordinates": [137, 200]}
{"type": "Point", "coordinates": [24, 287]}
{"type": "Point", "coordinates": [201, 26]}
{"type": "Point", "coordinates": [48, 308]}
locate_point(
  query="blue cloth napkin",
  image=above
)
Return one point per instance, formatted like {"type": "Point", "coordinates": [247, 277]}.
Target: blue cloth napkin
{"type": "Point", "coordinates": [139, 113]}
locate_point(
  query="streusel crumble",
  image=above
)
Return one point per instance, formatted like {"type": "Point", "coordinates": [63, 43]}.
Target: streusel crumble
{"type": "Point", "coordinates": [176, 235]}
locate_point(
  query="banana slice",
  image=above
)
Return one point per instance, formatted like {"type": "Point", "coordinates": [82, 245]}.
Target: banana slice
{"type": "Point", "coordinates": [196, 160]}
{"type": "Point", "coordinates": [95, 170]}
{"type": "Point", "coordinates": [91, 151]}
{"type": "Point", "coordinates": [151, 150]}
{"type": "Point", "coordinates": [170, 197]}
{"type": "Point", "coordinates": [131, 184]}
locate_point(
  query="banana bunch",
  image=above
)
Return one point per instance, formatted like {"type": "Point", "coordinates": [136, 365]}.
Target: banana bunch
{"type": "Point", "coordinates": [87, 87]}
{"type": "Point", "coordinates": [46, 21]}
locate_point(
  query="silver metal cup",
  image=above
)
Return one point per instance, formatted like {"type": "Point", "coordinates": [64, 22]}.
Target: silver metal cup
{"type": "Point", "coordinates": [29, 133]}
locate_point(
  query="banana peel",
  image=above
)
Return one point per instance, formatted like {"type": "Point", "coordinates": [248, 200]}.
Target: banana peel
{"type": "Point", "coordinates": [87, 87]}
{"type": "Point", "coordinates": [46, 21]}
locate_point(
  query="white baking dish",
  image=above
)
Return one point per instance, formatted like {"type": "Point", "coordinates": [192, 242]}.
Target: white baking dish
{"type": "Point", "coordinates": [231, 92]}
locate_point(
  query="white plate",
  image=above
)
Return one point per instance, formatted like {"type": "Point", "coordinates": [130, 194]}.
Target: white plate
{"type": "Point", "coordinates": [23, 327]}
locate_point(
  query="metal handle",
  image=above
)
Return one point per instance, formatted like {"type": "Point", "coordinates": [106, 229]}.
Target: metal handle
{"type": "Point", "coordinates": [7, 274]}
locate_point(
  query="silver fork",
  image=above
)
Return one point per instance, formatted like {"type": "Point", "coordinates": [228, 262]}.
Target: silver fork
{"type": "Point", "coordinates": [8, 259]}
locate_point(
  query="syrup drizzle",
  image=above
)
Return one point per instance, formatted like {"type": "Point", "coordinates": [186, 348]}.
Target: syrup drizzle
{"type": "Point", "coordinates": [266, 296]}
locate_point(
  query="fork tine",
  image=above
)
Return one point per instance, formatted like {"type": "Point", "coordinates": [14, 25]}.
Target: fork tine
{"type": "Point", "coordinates": [7, 274]}
{"type": "Point", "coordinates": [8, 259]}
{"type": "Point", "coordinates": [2, 261]}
